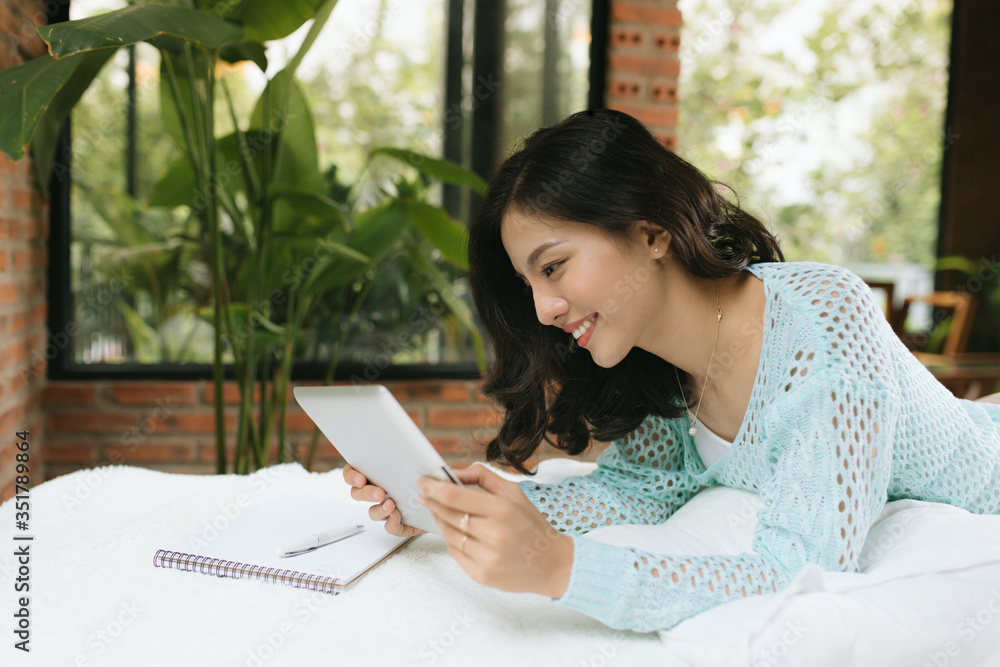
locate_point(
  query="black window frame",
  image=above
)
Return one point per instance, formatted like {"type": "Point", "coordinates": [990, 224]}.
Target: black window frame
{"type": "Point", "coordinates": [488, 52]}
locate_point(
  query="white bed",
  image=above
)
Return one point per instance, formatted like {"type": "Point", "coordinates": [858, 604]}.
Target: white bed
{"type": "Point", "coordinates": [96, 599]}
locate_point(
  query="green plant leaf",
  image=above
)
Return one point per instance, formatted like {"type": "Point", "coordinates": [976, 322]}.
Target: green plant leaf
{"type": "Point", "coordinates": [138, 23]}
{"type": "Point", "coordinates": [448, 236]}
{"type": "Point", "coordinates": [143, 336]}
{"type": "Point", "coordinates": [46, 134]}
{"type": "Point", "coordinates": [340, 265]}
{"type": "Point", "coordinates": [264, 20]}
{"type": "Point", "coordinates": [30, 88]}
{"type": "Point", "coordinates": [243, 49]}
{"type": "Point", "coordinates": [311, 204]}
{"type": "Point", "coordinates": [378, 229]}
{"type": "Point", "coordinates": [442, 170]}
{"type": "Point", "coordinates": [299, 161]}
{"type": "Point", "coordinates": [176, 186]}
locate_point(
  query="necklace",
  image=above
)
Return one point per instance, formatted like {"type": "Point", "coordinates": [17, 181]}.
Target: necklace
{"type": "Point", "coordinates": [718, 327]}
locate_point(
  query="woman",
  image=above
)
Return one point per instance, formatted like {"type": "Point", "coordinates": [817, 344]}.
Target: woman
{"type": "Point", "coordinates": [628, 301]}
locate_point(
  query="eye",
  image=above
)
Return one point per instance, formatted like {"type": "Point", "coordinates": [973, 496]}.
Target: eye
{"type": "Point", "coordinates": [550, 269]}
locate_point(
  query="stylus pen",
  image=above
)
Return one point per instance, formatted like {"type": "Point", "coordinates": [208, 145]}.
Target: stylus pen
{"type": "Point", "coordinates": [318, 540]}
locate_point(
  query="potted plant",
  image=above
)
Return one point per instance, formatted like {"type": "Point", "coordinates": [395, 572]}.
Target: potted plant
{"type": "Point", "coordinates": [267, 230]}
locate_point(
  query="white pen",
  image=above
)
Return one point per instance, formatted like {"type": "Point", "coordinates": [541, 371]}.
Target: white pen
{"type": "Point", "coordinates": [318, 540]}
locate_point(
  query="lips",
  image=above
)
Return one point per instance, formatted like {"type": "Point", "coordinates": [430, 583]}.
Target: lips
{"type": "Point", "coordinates": [583, 332]}
{"type": "Point", "coordinates": [572, 326]}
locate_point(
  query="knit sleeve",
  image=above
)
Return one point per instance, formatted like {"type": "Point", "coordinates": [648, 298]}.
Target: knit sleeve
{"type": "Point", "coordinates": [828, 450]}
{"type": "Point", "coordinates": [640, 479]}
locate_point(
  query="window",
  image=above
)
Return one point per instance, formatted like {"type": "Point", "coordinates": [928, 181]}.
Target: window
{"type": "Point", "coordinates": [828, 120]}
{"type": "Point", "coordinates": [386, 73]}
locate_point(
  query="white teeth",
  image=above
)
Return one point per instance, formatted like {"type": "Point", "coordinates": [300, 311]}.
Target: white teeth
{"type": "Point", "coordinates": [582, 329]}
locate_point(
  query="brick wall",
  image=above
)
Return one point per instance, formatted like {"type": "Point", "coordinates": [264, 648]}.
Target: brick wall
{"type": "Point", "coordinates": [169, 426]}
{"type": "Point", "coordinates": [643, 63]}
{"type": "Point", "coordinates": [23, 260]}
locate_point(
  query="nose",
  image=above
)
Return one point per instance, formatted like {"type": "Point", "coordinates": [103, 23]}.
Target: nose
{"type": "Point", "coordinates": [549, 306]}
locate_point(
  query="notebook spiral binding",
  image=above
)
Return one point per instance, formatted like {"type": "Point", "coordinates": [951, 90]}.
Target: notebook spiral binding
{"type": "Point", "coordinates": [227, 568]}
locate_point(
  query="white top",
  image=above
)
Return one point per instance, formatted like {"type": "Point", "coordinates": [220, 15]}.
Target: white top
{"type": "Point", "coordinates": [711, 447]}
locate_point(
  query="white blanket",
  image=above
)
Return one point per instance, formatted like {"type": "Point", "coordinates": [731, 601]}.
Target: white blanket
{"type": "Point", "coordinates": [96, 598]}
{"type": "Point", "coordinates": [929, 595]}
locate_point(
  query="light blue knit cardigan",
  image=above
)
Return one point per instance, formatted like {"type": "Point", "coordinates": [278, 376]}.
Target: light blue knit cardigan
{"type": "Point", "coordinates": [842, 419]}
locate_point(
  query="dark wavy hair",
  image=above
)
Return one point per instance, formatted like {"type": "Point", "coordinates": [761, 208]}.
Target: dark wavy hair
{"type": "Point", "coordinates": [599, 167]}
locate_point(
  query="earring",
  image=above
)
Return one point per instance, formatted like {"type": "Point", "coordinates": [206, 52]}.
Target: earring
{"type": "Point", "coordinates": [656, 250]}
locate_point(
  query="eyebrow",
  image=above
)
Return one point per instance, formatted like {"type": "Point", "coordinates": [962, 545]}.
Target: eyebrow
{"type": "Point", "coordinates": [536, 253]}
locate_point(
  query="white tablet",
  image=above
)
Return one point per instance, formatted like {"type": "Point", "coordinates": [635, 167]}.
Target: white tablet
{"type": "Point", "coordinates": [372, 431]}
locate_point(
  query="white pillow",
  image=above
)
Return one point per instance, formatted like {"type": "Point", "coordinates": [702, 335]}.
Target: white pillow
{"type": "Point", "coordinates": [928, 594]}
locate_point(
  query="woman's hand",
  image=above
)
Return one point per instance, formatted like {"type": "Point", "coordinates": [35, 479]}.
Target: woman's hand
{"type": "Point", "coordinates": [506, 542]}
{"type": "Point", "coordinates": [385, 511]}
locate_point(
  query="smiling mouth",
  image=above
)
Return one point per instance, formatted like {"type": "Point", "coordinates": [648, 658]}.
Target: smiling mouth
{"type": "Point", "coordinates": [585, 327]}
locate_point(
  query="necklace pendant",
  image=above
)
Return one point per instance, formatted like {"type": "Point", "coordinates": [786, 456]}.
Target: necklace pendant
{"type": "Point", "coordinates": [692, 430]}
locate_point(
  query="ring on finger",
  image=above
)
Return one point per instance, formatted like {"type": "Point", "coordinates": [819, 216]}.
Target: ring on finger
{"type": "Point", "coordinates": [461, 545]}
{"type": "Point", "coordinates": [464, 525]}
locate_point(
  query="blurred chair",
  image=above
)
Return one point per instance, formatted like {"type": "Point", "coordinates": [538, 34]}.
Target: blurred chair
{"type": "Point", "coordinates": [962, 306]}
{"type": "Point", "coordinates": [889, 288]}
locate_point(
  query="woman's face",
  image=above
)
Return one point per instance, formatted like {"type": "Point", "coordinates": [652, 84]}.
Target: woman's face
{"type": "Point", "coordinates": [582, 280]}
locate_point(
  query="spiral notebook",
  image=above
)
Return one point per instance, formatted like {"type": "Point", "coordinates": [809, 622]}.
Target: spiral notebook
{"type": "Point", "coordinates": [243, 544]}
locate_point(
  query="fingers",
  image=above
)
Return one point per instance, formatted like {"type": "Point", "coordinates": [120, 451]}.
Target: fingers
{"type": "Point", "coordinates": [463, 499]}
{"type": "Point", "coordinates": [484, 478]}
{"type": "Point", "coordinates": [382, 511]}
{"type": "Point", "coordinates": [394, 526]}
{"type": "Point", "coordinates": [353, 477]}
{"type": "Point", "coordinates": [368, 493]}
{"type": "Point", "coordinates": [448, 517]}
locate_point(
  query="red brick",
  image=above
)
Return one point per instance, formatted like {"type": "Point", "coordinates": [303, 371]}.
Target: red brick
{"type": "Point", "coordinates": [634, 12]}
{"type": "Point", "coordinates": [68, 394]}
{"type": "Point", "coordinates": [3, 260]}
{"type": "Point", "coordinates": [154, 393]}
{"type": "Point", "coordinates": [18, 381]}
{"type": "Point", "coordinates": [230, 393]}
{"type": "Point", "coordinates": [467, 417]}
{"type": "Point", "coordinates": [8, 492]}
{"type": "Point", "coordinates": [666, 42]}
{"type": "Point", "coordinates": [90, 422]}
{"type": "Point", "coordinates": [150, 452]}
{"type": "Point", "coordinates": [70, 452]}
{"type": "Point", "coordinates": [449, 392]}
{"type": "Point", "coordinates": [625, 88]}
{"type": "Point", "coordinates": [446, 446]}
{"type": "Point", "coordinates": [197, 422]}
{"type": "Point", "coordinates": [8, 293]}
{"type": "Point", "coordinates": [658, 65]}
{"type": "Point", "coordinates": [650, 114]}
{"type": "Point", "coordinates": [668, 140]}
{"type": "Point", "coordinates": [13, 353]}
{"type": "Point", "coordinates": [298, 421]}
{"type": "Point", "coordinates": [21, 198]}
{"type": "Point", "coordinates": [5, 230]}
{"type": "Point", "coordinates": [663, 92]}
{"type": "Point", "coordinates": [627, 37]}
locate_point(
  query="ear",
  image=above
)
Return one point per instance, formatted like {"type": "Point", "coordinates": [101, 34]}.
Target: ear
{"type": "Point", "coordinates": [654, 238]}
